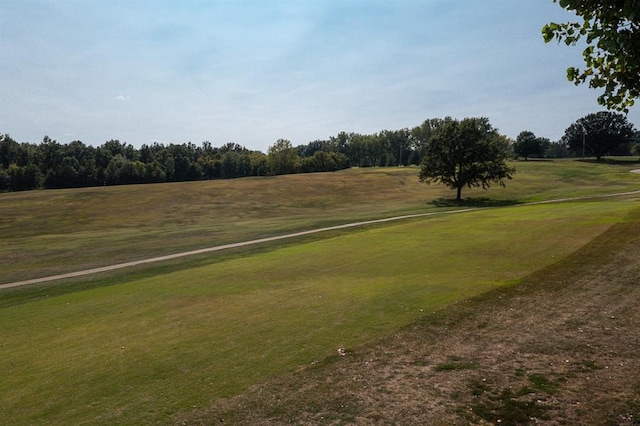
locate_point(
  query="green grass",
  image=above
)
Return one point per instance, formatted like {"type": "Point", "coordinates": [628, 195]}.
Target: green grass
{"type": "Point", "coordinates": [543, 180]}
{"type": "Point", "coordinates": [140, 345]}
{"type": "Point", "coordinates": [542, 383]}
{"type": "Point", "coordinates": [48, 232]}
{"type": "Point", "coordinates": [141, 350]}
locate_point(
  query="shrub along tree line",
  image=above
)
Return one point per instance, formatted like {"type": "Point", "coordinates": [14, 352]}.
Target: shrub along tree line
{"type": "Point", "coordinates": [50, 164]}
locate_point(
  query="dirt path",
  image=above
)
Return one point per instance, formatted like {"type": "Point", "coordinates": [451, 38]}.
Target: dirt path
{"type": "Point", "coordinates": [218, 248]}
{"type": "Point", "coordinates": [275, 238]}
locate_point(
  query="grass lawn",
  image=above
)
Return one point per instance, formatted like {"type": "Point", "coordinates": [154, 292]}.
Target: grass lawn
{"type": "Point", "coordinates": [559, 348]}
{"type": "Point", "coordinates": [147, 344]}
{"type": "Point", "coordinates": [49, 232]}
{"type": "Point", "coordinates": [141, 350]}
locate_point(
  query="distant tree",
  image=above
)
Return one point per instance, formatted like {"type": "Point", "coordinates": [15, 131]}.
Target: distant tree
{"type": "Point", "coordinates": [22, 178]}
{"type": "Point", "coordinates": [231, 164]}
{"type": "Point", "coordinates": [154, 172]}
{"type": "Point", "coordinates": [396, 147]}
{"type": "Point", "coordinates": [147, 153]}
{"type": "Point", "coordinates": [420, 136]}
{"type": "Point", "coordinates": [467, 153]}
{"type": "Point", "coordinates": [164, 157]}
{"type": "Point", "coordinates": [114, 147]}
{"type": "Point", "coordinates": [185, 163]}
{"type": "Point", "coordinates": [359, 150]}
{"type": "Point", "coordinates": [556, 150]}
{"type": "Point", "coordinates": [51, 153]}
{"type": "Point", "coordinates": [367, 150]}
{"type": "Point", "coordinates": [545, 143]}
{"type": "Point", "coordinates": [114, 171]}
{"type": "Point", "coordinates": [9, 151]}
{"type": "Point", "coordinates": [206, 149]}
{"type": "Point", "coordinates": [322, 161]}
{"type": "Point", "coordinates": [259, 163]}
{"type": "Point", "coordinates": [211, 166]}
{"type": "Point", "coordinates": [230, 147]}
{"type": "Point", "coordinates": [107, 151]}
{"type": "Point", "coordinates": [341, 160]}
{"type": "Point", "coordinates": [86, 157]}
{"type": "Point", "coordinates": [528, 145]}
{"type": "Point", "coordinates": [236, 163]}
{"type": "Point", "coordinates": [5, 180]}
{"type": "Point", "coordinates": [635, 145]}
{"type": "Point", "coordinates": [598, 134]}
{"type": "Point", "coordinates": [69, 172]}
{"type": "Point", "coordinates": [611, 29]}
{"type": "Point", "coordinates": [341, 143]}
{"type": "Point", "coordinates": [20, 165]}
{"type": "Point", "coordinates": [312, 147]}
{"type": "Point", "coordinates": [282, 158]}
{"type": "Point", "coordinates": [244, 163]}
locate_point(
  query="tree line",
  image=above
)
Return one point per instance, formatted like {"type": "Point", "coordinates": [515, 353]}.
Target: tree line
{"type": "Point", "coordinates": [594, 135]}
{"type": "Point", "coordinates": [50, 164]}
{"type": "Point", "coordinates": [471, 153]}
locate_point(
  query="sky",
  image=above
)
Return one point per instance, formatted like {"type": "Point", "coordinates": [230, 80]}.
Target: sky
{"type": "Point", "coordinates": [255, 71]}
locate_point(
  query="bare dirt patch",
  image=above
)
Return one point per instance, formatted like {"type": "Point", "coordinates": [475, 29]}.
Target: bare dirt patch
{"type": "Point", "coordinates": [560, 348]}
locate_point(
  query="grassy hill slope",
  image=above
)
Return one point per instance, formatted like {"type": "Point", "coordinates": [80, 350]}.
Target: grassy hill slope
{"type": "Point", "coordinates": [147, 346]}
{"type": "Point", "coordinates": [559, 348]}
{"type": "Point", "coordinates": [49, 232]}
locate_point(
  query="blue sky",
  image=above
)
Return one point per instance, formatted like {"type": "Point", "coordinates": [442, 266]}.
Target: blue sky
{"type": "Point", "coordinates": [252, 72]}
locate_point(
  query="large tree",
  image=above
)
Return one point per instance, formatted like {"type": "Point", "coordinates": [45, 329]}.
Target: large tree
{"type": "Point", "coordinates": [282, 158]}
{"type": "Point", "coordinates": [467, 153]}
{"type": "Point", "coordinates": [528, 145]}
{"type": "Point", "coordinates": [611, 30]}
{"type": "Point", "coordinates": [598, 134]}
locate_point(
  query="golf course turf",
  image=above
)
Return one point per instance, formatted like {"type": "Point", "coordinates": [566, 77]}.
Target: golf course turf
{"type": "Point", "coordinates": [153, 344]}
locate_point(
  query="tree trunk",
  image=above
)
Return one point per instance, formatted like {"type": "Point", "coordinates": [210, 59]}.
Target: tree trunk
{"type": "Point", "coordinates": [459, 195]}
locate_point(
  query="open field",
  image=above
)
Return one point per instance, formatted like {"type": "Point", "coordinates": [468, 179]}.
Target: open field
{"type": "Point", "coordinates": [560, 348]}
{"type": "Point", "coordinates": [151, 345]}
{"type": "Point", "coordinates": [50, 232]}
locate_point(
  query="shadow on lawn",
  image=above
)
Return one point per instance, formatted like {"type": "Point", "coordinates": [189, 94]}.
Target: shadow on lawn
{"type": "Point", "coordinates": [614, 161]}
{"type": "Point", "coordinates": [473, 202]}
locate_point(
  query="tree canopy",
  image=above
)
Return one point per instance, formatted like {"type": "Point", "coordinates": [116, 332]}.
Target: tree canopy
{"type": "Point", "coordinates": [467, 153]}
{"type": "Point", "coordinates": [282, 157]}
{"type": "Point", "coordinates": [527, 145]}
{"type": "Point", "coordinates": [599, 134]}
{"type": "Point", "coordinates": [611, 30]}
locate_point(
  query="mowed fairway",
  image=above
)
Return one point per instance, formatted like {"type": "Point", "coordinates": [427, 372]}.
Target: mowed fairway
{"type": "Point", "coordinates": [45, 233]}
{"type": "Point", "coordinates": [48, 232]}
{"type": "Point", "coordinates": [143, 348]}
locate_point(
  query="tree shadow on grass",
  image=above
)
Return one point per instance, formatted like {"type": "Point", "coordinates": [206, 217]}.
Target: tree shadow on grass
{"type": "Point", "coordinates": [473, 202]}
{"type": "Point", "coordinates": [614, 161]}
